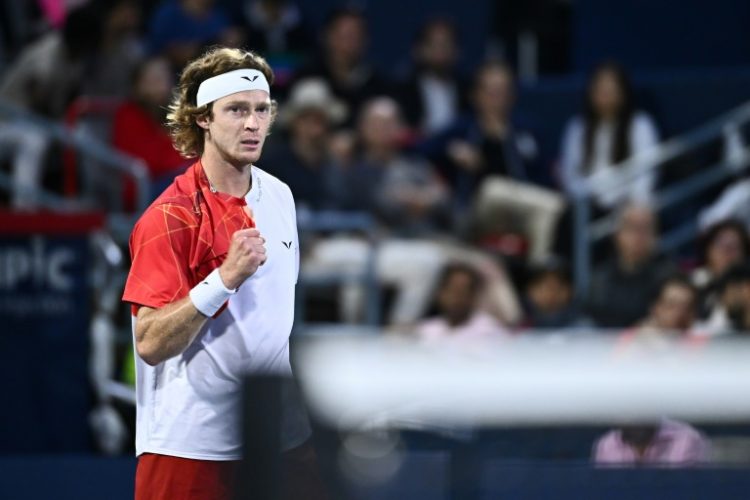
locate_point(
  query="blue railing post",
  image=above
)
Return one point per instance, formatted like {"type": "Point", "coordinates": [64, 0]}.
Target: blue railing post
{"type": "Point", "coordinates": [581, 244]}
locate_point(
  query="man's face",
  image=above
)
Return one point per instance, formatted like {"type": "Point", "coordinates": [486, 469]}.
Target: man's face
{"type": "Point", "coordinates": [380, 125]}
{"type": "Point", "coordinates": [550, 293]}
{"type": "Point", "coordinates": [674, 309]}
{"type": "Point", "coordinates": [438, 50]}
{"type": "Point", "coordinates": [456, 297]}
{"type": "Point", "coordinates": [311, 126]}
{"type": "Point", "coordinates": [494, 92]}
{"type": "Point", "coordinates": [238, 127]}
{"type": "Point", "coordinates": [155, 83]}
{"type": "Point", "coordinates": [636, 236]}
{"type": "Point", "coordinates": [345, 39]}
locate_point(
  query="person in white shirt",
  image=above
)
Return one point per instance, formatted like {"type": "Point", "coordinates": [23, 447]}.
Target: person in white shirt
{"type": "Point", "coordinates": [215, 260]}
{"type": "Point", "coordinates": [609, 131]}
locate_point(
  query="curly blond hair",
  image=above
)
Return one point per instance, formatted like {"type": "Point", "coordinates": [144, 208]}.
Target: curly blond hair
{"type": "Point", "coordinates": [187, 136]}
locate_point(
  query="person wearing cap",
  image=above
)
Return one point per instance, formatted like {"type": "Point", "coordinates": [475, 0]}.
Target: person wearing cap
{"type": "Point", "coordinates": [211, 286]}
{"type": "Point", "coordinates": [303, 159]}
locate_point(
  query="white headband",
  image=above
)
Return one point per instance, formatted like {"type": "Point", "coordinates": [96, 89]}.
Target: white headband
{"type": "Point", "coordinates": [229, 83]}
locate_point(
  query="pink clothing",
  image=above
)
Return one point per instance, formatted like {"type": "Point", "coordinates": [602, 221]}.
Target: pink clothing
{"type": "Point", "coordinates": [675, 444]}
{"type": "Point", "coordinates": [479, 326]}
{"type": "Point", "coordinates": [54, 12]}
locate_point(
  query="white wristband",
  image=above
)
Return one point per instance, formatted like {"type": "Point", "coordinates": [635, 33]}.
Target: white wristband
{"type": "Point", "coordinates": [210, 294]}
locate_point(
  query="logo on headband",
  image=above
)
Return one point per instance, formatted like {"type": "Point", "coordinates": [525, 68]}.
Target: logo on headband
{"type": "Point", "coordinates": [249, 79]}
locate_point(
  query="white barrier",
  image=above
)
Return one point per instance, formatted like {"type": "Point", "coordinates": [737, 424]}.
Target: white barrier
{"type": "Point", "coordinates": [356, 382]}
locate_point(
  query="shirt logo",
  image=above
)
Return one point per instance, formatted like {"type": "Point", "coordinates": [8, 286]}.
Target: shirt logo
{"type": "Point", "coordinates": [249, 79]}
{"type": "Point", "coordinates": [287, 244]}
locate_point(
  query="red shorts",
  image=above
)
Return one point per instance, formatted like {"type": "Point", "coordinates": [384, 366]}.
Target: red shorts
{"type": "Point", "coordinates": [162, 477]}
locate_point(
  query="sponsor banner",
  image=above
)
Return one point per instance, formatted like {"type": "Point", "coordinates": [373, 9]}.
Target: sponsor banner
{"type": "Point", "coordinates": [45, 309]}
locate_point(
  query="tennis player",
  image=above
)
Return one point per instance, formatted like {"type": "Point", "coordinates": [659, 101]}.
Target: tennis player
{"type": "Point", "coordinates": [215, 260]}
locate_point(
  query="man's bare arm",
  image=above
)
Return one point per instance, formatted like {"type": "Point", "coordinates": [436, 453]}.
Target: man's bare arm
{"type": "Point", "coordinates": [167, 331]}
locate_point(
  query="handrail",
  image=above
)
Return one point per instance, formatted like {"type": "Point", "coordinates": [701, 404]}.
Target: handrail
{"type": "Point", "coordinates": [120, 162]}
{"type": "Point", "coordinates": [588, 231]}
{"type": "Point", "coordinates": [324, 221]}
{"type": "Point", "coordinates": [83, 106]}
{"type": "Point", "coordinates": [334, 220]}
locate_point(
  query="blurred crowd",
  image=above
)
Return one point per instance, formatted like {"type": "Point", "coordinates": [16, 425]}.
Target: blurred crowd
{"type": "Point", "coordinates": [472, 226]}
{"type": "Point", "coordinates": [463, 203]}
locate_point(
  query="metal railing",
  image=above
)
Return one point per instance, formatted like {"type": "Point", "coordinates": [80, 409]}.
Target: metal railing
{"type": "Point", "coordinates": [86, 147]}
{"type": "Point", "coordinates": [589, 231]}
{"type": "Point", "coordinates": [310, 224]}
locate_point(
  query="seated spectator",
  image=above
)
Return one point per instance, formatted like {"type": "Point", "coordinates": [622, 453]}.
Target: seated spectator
{"type": "Point", "coordinates": [342, 63]}
{"type": "Point", "coordinates": [43, 80]}
{"type": "Point", "coordinates": [621, 288]}
{"type": "Point", "coordinates": [489, 161]}
{"type": "Point", "coordinates": [138, 128]}
{"type": "Point", "coordinates": [303, 158]}
{"type": "Point", "coordinates": [487, 142]}
{"type": "Point", "coordinates": [731, 314]}
{"type": "Point", "coordinates": [722, 245]}
{"type": "Point", "coordinates": [669, 443]}
{"type": "Point", "coordinates": [550, 299]}
{"type": "Point", "coordinates": [120, 51]}
{"type": "Point", "coordinates": [671, 315]}
{"type": "Point", "coordinates": [609, 131]}
{"type": "Point", "coordinates": [404, 192]}
{"type": "Point", "coordinates": [458, 315]}
{"type": "Point", "coordinates": [276, 29]}
{"type": "Point", "coordinates": [433, 95]}
{"type": "Point", "coordinates": [179, 29]}
{"type": "Point", "coordinates": [407, 198]}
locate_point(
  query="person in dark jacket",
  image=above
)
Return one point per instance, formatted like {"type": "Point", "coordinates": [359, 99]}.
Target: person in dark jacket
{"type": "Point", "coordinates": [622, 287]}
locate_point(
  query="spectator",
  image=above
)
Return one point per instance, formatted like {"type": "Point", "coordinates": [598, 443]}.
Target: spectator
{"type": "Point", "coordinates": [48, 73]}
{"type": "Point", "coordinates": [669, 443]}
{"type": "Point", "coordinates": [120, 51]}
{"type": "Point", "coordinates": [303, 159]}
{"type": "Point", "coordinates": [404, 192]}
{"type": "Point", "coordinates": [138, 128]}
{"type": "Point", "coordinates": [731, 314]}
{"type": "Point", "coordinates": [671, 314]}
{"type": "Point", "coordinates": [276, 29]}
{"type": "Point", "coordinates": [723, 245]}
{"type": "Point", "coordinates": [412, 204]}
{"type": "Point", "coordinates": [44, 79]}
{"type": "Point", "coordinates": [609, 131]}
{"type": "Point", "coordinates": [621, 288]}
{"type": "Point", "coordinates": [342, 63]}
{"type": "Point", "coordinates": [550, 299]}
{"type": "Point", "coordinates": [487, 141]}
{"type": "Point", "coordinates": [179, 29]}
{"type": "Point", "coordinates": [458, 314]}
{"type": "Point", "coordinates": [433, 95]}
{"type": "Point", "coordinates": [490, 163]}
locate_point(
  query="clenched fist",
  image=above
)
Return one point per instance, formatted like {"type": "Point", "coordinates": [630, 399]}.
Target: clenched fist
{"type": "Point", "coordinates": [247, 252]}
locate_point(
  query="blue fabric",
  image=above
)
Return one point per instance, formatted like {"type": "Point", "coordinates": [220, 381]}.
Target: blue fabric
{"type": "Point", "coordinates": [171, 24]}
